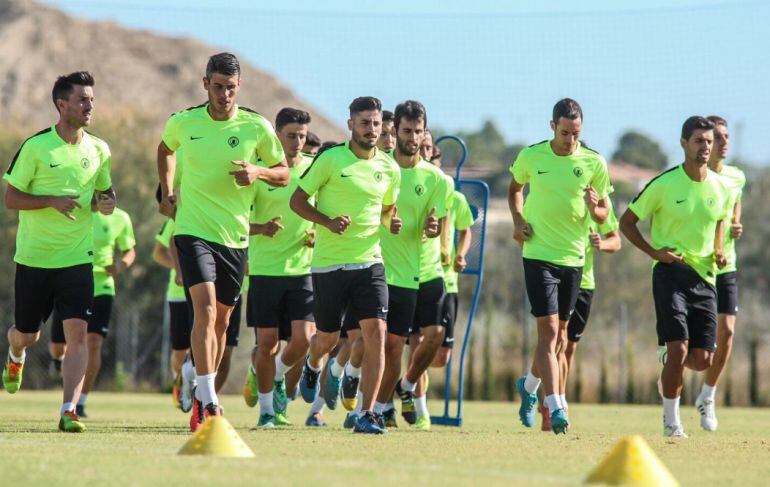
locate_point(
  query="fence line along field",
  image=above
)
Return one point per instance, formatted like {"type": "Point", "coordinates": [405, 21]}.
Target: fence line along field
{"type": "Point", "coordinates": [132, 439]}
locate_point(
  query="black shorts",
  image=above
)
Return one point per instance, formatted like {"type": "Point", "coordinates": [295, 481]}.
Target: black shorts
{"type": "Point", "coordinates": [579, 319]}
{"type": "Point", "coordinates": [364, 291]}
{"type": "Point", "coordinates": [276, 299]}
{"type": "Point", "coordinates": [98, 322]}
{"type": "Point", "coordinates": [234, 327]}
{"type": "Point", "coordinates": [685, 306]}
{"type": "Point", "coordinates": [449, 318]}
{"type": "Point", "coordinates": [727, 293]}
{"type": "Point", "coordinates": [38, 291]}
{"type": "Point", "coordinates": [204, 261]}
{"type": "Point", "coordinates": [552, 289]}
{"type": "Point", "coordinates": [181, 322]}
{"type": "Point", "coordinates": [402, 306]}
{"type": "Point", "coordinates": [430, 305]}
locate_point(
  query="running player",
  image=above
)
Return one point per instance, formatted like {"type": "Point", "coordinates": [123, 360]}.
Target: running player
{"type": "Point", "coordinates": [688, 205]}
{"type": "Point", "coordinates": [312, 144]}
{"type": "Point", "coordinates": [280, 288]}
{"type": "Point", "coordinates": [387, 140]}
{"type": "Point", "coordinates": [727, 277]}
{"type": "Point", "coordinates": [357, 186]}
{"type": "Point", "coordinates": [568, 187]}
{"type": "Point", "coordinates": [221, 143]}
{"type": "Point", "coordinates": [51, 181]}
{"type": "Point", "coordinates": [110, 231]}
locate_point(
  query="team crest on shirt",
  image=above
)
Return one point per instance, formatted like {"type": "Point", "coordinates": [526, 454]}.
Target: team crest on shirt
{"type": "Point", "coordinates": [578, 171]}
{"type": "Point", "coordinates": [419, 189]}
{"type": "Point", "coordinates": [85, 163]}
{"type": "Point", "coordinates": [378, 176]}
{"type": "Point", "coordinates": [710, 202]}
{"type": "Point", "coordinates": [233, 142]}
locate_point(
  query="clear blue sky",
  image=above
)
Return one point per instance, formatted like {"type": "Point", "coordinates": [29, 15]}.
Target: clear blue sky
{"type": "Point", "coordinates": [644, 65]}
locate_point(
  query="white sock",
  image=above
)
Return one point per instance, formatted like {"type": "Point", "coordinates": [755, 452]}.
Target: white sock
{"type": "Point", "coordinates": [188, 371]}
{"type": "Point", "coordinates": [552, 403]}
{"type": "Point", "coordinates": [266, 403]}
{"type": "Point", "coordinates": [208, 393]}
{"type": "Point", "coordinates": [379, 407]}
{"type": "Point", "coordinates": [563, 400]}
{"type": "Point", "coordinates": [421, 406]}
{"type": "Point", "coordinates": [708, 392]}
{"type": "Point", "coordinates": [671, 411]}
{"type": "Point", "coordinates": [307, 363]}
{"type": "Point", "coordinates": [335, 368]}
{"type": "Point", "coordinates": [408, 386]}
{"type": "Point", "coordinates": [82, 399]}
{"type": "Point", "coordinates": [352, 371]}
{"type": "Point", "coordinates": [389, 406]}
{"type": "Point", "coordinates": [67, 406]}
{"type": "Point", "coordinates": [360, 403]}
{"type": "Point", "coordinates": [19, 360]}
{"type": "Point", "coordinates": [280, 367]}
{"type": "Point", "coordinates": [317, 406]}
{"type": "Point", "coordinates": [531, 383]}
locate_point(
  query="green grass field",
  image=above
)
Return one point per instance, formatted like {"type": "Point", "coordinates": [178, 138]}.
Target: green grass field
{"type": "Point", "coordinates": [133, 438]}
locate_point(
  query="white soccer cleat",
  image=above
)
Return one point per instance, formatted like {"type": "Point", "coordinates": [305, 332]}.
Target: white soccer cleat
{"type": "Point", "coordinates": [708, 415]}
{"type": "Point", "coordinates": [674, 431]}
{"type": "Point", "coordinates": [186, 394]}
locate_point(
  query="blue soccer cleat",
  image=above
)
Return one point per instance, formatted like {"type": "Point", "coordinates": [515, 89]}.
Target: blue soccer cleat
{"type": "Point", "coordinates": [308, 384]}
{"type": "Point", "coordinates": [559, 422]}
{"type": "Point", "coordinates": [367, 424]}
{"type": "Point", "coordinates": [527, 411]}
{"type": "Point", "coordinates": [331, 389]}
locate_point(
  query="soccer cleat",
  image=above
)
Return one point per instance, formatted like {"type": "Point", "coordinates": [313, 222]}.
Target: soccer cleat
{"type": "Point", "coordinates": [308, 383]}
{"type": "Point", "coordinates": [546, 424]}
{"type": "Point", "coordinates": [674, 431]}
{"type": "Point", "coordinates": [266, 421]}
{"type": "Point", "coordinates": [349, 391]}
{"type": "Point", "coordinates": [69, 422]}
{"type": "Point", "coordinates": [282, 420]}
{"type": "Point", "coordinates": [422, 423]}
{"type": "Point", "coordinates": [350, 421]}
{"type": "Point", "coordinates": [250, 390]}
{"type": "Point", "coordinates": [197, 415]}
{"type": "Point", "coordinates": [407, 404]}
{"type": "Point", "coordinates": [176, 389]}
{"type": "Point", "coordinates": [212, 409]}
{"type": "Point", "coordinates": [185, 395]}
{"type": "Point", "coordinates": [559, 422]}
{"type": "Point", "coordinates": [708, 415]}
{"type": "Point", "coordinates": [280, 401]}
{"type": "Point", "coordinates": [380, 419]}
{"type": "Point", "coordinates": [528, 403]}
{"type": "Point", "coordinates": [80, 410]}
{"type": "Point", "coordinates": [12, 375]}
{"type": "Point", "coordinates": [331, 389]}
{"type": "Point", "coordinates": [390, 418]}
{"type": "Point", "coordinates": [662, 355]}
{"type": "Point", "coordinates": [367, 424]}
{"type": "Point", "coordinates": [315, 420]}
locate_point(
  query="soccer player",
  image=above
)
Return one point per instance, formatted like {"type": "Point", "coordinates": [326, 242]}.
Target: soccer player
{"type": "Point", "coordinates": [427, 147]}
{"type": "Point", "coordinates": [110, 231]}
{"type": "Point", "coordinates": [51, 181]}
{"type": "Point", "coordinates": [387, 140]}
{"type": "Point", "coordinates": [312, 144]}
{"type": "Point", "coordinates": [221, 143]}
{"type": "Point", "coordinates": [687, 205]}
{"type": "Point", "coordinates": [568, 187]}
{"type": "Point", "coordinates": [727, 277]}
{"type": "Point", "coordinates": [356, 186]}
{"type": "Point", "coordinates": [280, 288]}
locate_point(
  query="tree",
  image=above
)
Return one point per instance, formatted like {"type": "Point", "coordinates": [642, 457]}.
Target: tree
{"type": "Point", "coordinates": [640, 150]}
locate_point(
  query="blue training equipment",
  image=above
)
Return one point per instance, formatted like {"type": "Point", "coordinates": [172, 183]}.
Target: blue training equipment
{"type": "Point", "coordinates": [477, 194]}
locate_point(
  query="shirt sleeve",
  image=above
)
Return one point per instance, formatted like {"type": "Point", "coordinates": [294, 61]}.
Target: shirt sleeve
{"type": "Point", "coordinates": [442, 195]}
{"type": "Point", "coordinates": [23, 167]}
{"type": "Point", "coordinates": [126, 240]}
{"type": "Point", "coordinates": [601, 179]}
{"type": "Point", "coordinates": [520, 168]}
{"type": "Point", "coordinates": [463, 213]}
{"type": "Point", "coordinates": [104, 176]}
{"type": "Point", "coordinates": [171, 136]}
{"type": "Point", "coordinates": [739, 197]}
{"type": "Point", "coordinates": [391, 195]}
{"type": "Point", "coordinates": [269, 148]}
{"type": "Point", "coordinates": [316, 175]}
{"type": "Point", "coordinates": [648, 201]}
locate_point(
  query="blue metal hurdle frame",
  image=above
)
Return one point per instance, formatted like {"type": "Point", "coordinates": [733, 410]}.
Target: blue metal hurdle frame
{"type": "Point", "coordinates": [476, 268]}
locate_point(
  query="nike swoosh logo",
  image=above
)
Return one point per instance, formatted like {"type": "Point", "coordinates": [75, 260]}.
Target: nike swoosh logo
{"type": "Point", "coordinates": [271, 189]}
{"type": "Point", "coordinates": [195, 138]}
{"type": "Point", "coordinates": [681, 201]}
{"type": "Point", "coordinates": [345, 175]}
{"type": "Point", "coordinates": [89, 312]}
{"type": "Point", "coordinates": [54, 165]}
{"type": "Point", "coordinates": [543, 172]}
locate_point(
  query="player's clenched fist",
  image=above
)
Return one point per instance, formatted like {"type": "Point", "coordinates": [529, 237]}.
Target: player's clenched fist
{"type": "Point", "coordinates": [431, 225]}
{"type": "Point", "coordinates": [339, 225]}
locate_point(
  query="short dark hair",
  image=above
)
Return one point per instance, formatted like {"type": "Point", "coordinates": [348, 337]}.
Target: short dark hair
{"type": "Point", "coordinates": [291, 115]}
{"type": "Point", "coordinates": [567, 108]}
{"type": "Point", "coordinates": [411, 110]}
{"type": "Point", "coordinates": [387, 116]}
{"type": "Point", "coordinates": [717, 120]}
{"type": "Point", "coordinates": [365, 103]}
{"type": "Point", "coordinates": [313, 140]}
{"type": "Point", "coordinates": [62, 88]}
{"type": "Point", "coordinates": [223, 63]}
{"type": "Point", "coordinates": [696, 122]}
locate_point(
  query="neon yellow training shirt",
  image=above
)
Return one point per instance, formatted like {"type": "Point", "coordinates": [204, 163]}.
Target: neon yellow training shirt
{"type": "Point", "coordinates": [460, 218]}
{"type": "Point", "coordinates": [174, 292]}
{"type": "Point", "coordinates": [609, 225]}
{"type": "Point", "coordinates": [284, 254]}
{"type": "Point", "coordinates": [212, 206]}
{"type": "Point", "coordinates": [423, 188]}
{"type": "Point", "coordinates": [555, 207]}
{"type": "Point", "coordinates": [684, 216]}
{"type": "Point", "coordinates": [47, 165]}
{"type": "Point", "coordinates": [359, 188]}
{"type": "Point", "coordinates": [734, 180]}
{"type": "Point", "coordinates": [430, 251]}
{"type": "Point", "coordinates": [110, 231]}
